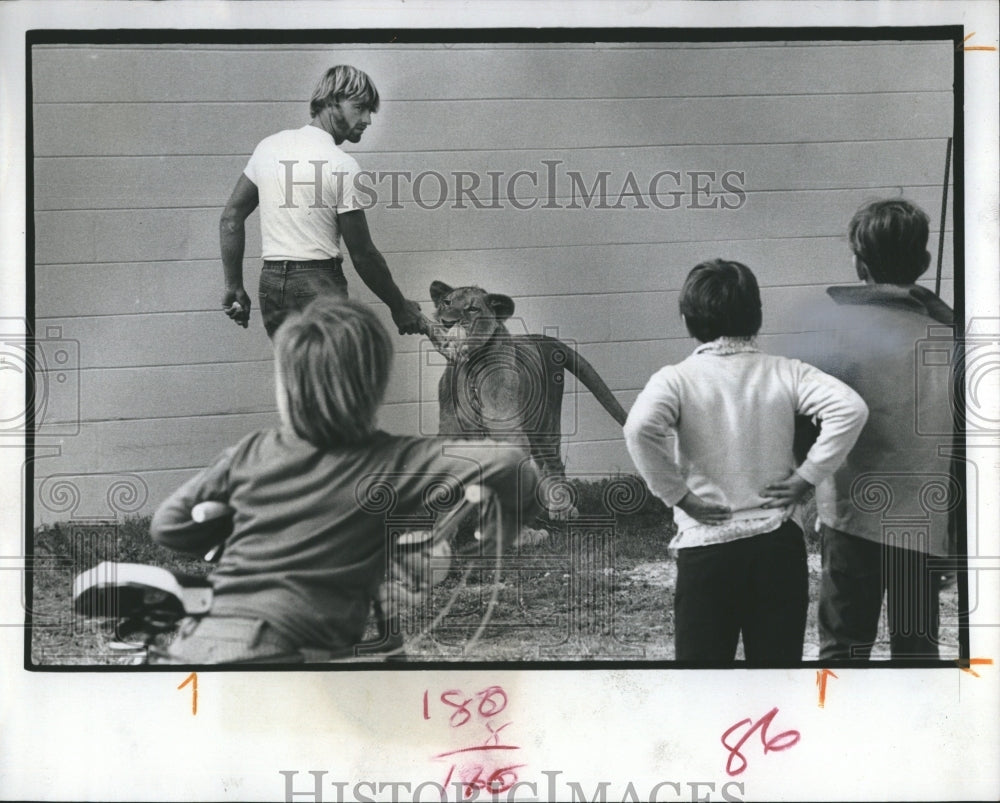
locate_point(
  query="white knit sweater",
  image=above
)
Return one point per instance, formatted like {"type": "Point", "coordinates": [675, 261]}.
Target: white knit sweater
{"type": "Point", "coordinates": [721, 424]}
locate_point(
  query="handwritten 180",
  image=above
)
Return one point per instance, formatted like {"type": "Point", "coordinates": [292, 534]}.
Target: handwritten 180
{"type": "Point", "coordinates": [474, 776]}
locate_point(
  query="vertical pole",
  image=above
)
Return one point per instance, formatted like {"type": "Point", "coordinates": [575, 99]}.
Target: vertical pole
{"type": "Point", "coordinates": [944, 210]}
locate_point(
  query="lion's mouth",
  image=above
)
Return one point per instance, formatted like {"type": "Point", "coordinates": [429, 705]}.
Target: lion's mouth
{"type": "Point", "coordinates": [454, 341]}
{"type": "Point", "coordinates": [457, 340]}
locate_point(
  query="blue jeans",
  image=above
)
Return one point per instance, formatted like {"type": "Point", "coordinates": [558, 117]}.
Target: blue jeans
{"type": "Point", "coordinates": [227, 640]}
{"type": "Point", "coordinates": [288, 286]}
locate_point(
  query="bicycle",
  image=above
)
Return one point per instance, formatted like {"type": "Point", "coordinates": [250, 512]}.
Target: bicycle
{"type": "Point", "coordinates": [147, 604]}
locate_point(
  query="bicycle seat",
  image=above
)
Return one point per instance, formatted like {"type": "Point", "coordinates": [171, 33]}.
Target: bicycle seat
{"type": "Point", "coordinates": [134, 590]}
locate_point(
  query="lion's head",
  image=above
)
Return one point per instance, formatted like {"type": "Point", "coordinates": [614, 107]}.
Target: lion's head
{"type": "Point", "coordinates": [466, 318]}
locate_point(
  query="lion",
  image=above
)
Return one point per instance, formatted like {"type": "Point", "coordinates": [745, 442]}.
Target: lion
{"type": "Point", "coordinates": [508, 387]}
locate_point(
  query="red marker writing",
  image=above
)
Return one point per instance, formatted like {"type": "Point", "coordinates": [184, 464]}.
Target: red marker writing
{"type": "Point", "coordinates": [782, 741]}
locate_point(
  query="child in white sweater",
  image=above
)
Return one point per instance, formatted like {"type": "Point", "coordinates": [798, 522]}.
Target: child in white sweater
{"type": "Point", "coordinates": [712, 436]}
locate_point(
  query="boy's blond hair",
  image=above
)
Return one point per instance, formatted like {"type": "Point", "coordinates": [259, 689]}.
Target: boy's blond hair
{"type": "Point", "coordinates": [332, 362]}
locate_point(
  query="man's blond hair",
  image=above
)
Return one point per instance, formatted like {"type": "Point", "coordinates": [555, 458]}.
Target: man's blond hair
{"type": "Point", "coordinates": [344, 82]}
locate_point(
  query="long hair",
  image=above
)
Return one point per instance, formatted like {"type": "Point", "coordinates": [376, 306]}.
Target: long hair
{"type": "Point", "coordinates": [344, 82]}
{"type": "Point", "coordinates": [333, 362]}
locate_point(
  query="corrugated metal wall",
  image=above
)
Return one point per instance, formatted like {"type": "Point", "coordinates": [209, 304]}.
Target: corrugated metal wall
{"type": "Point", "coordinates": [136, 149]}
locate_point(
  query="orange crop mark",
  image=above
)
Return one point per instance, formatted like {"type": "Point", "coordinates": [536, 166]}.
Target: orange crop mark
{"type": "Point", "coordinates": [973, 47]}
{"type": "Point", "coordinates": [193, 680]}
{"type": "Point", "coordinates": [821, 677]}
{"type": "Point", "coordinates": [966, 664]}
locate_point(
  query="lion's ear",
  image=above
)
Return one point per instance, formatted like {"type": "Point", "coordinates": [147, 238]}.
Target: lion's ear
{"type": "Point", "coordinates": [438, 291]}
{"type": "Point", "coordinates": [502, 306]}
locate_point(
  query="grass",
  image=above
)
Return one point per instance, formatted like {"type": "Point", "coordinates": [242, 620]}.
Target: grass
{"type": "Point", "coordinates": [60, 637]}
{"type": "Point", "coordinates": [598, 588]}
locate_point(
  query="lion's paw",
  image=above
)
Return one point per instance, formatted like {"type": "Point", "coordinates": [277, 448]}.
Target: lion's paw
{"type": "Point", "coordinates": [529, 536]}
{"type": "Point", "coordinates": [563, 513]}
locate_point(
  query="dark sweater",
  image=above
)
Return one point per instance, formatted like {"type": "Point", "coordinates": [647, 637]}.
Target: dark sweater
{"type": "Point", "coordinates": [308, 547]}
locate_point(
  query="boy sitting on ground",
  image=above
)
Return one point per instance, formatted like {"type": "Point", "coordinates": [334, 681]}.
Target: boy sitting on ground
{"type": "Point", "coordinates": [307, 555]}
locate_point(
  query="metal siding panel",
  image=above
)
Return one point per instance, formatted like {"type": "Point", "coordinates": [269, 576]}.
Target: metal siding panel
{"type": "Point", "coordinates": [405, 72]}
{"type": "Point", "coordinates": [175, 182]}
{"type": "Point", "coordinates": [154, 235]}
{"type": "Point", "coordinates": [235, 128]}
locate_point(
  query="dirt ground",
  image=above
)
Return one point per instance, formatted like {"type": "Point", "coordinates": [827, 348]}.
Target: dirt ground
{"type": "Point", "coordinates": [626, 615]}
{"type": "Point", "coordinates": [594, 591]}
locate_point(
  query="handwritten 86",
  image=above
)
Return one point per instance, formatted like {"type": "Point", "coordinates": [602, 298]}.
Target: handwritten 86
{"type": "Point", "coordinates": [782, 741]}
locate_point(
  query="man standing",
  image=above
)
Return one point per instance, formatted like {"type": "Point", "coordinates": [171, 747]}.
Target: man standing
{"type": "Point", "coordinates": [306, 188]}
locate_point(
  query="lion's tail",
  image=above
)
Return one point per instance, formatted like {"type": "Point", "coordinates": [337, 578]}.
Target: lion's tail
{"type": "Point", "coordinates": [585, 372]}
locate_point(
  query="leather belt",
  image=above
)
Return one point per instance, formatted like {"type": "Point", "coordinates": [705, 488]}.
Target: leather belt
{"type": "Point", "coordinates": [306, 263]}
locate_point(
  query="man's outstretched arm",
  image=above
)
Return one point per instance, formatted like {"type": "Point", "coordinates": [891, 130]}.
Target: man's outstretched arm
{"type": "Point", "coordinates": [232, 240]}
{"type": "Point", "coordinates": [371, 267]}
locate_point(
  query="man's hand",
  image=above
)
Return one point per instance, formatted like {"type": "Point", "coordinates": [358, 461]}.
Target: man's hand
{"type": "Point", "coordinates": [370, 265]}
{"type": "Point", "coordinates": [236, 304]}
{"type": "Point", "coordinates": [704, 511]}
{"type": "Point", "coordinates": [408, 319]}
{"type": "Point", "coordinates": [232, 239]}
{"type": "Point", "coordinates": [786, 492]}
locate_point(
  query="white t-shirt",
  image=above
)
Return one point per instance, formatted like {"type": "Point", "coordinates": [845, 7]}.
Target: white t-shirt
{"type": "Point", "coordinates": [303, 181]}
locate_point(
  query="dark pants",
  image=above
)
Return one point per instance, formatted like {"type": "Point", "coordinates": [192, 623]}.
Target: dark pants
{"type": "Point", "coordinates": [757, 586]}
{"type": "Point", "coordinates": [288, 286]}
{"type": "Point", "coordinates": [856, 575]}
